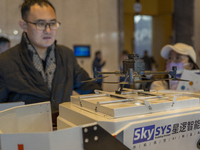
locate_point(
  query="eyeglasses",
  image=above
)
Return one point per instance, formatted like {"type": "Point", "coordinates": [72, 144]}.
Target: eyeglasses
{"type": "Point", "coordinates": [42, 25]}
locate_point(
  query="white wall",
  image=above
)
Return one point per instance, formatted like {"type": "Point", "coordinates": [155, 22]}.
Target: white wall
{"type": "Point", "coordinates": [93, 22]}
{"type": "Point", "coordinates": [10, 15]}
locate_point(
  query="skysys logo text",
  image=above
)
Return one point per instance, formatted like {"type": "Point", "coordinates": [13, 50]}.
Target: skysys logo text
{"type": "Point", "coordinates": [148, 133]}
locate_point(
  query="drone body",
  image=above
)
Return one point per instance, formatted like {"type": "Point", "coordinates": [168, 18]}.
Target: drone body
{"type": "Point", "coordinates": [133, 62]}
{"type": "Point", "coordinates": [134, 67]}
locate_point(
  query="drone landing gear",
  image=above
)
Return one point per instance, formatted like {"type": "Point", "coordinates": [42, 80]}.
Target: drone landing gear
{"type": "Point", "coordinates": [119, 91]}
{"type": "Point", "coordinates": [146, 86]}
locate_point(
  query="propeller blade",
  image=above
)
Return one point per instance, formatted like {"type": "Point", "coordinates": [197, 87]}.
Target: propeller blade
{"type": "Point", "coordinates": [143, 81]}
{"type": "Point", "coordinates": [110, 72]}
{"type": "Point", "coordinates": [117, 82]}
{"type": "Point", "coordinates": [88, 80]}
{"type": "Point", "coordinates": [182, 80]}
{"type": "Point", "coordinates": [94, 79]}
{"type": "Point", "coordinates": [102, 77]}
{"type": "Point", "coordinates": [164, 79]}
{"type": "Point", "coordinates": [144, 78]}
{"type": "Point", "coordinates": [171, 79]}
{"type": "Point", "coordinates": [121, 75]}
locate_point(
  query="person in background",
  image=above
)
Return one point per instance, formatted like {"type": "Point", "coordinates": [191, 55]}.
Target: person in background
{"type": "Point", "coordinates": [147, 60]}
{"type": "Point", "coordinates": [98, 63]}
{"type": "Point", "coordinates": [4, 44]}
{"type": "Point", "coordinates": [123, 56]}
{"type": "Point", "coordinates": [150, 63]}
{"type": "Point", "coordinates": [37, 69]}
{"type": "Point", "coordinates": [181, 55]}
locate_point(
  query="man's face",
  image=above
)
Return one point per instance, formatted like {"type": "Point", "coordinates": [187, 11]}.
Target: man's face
{"type": "Point", "coordinates": [99, 56]}
{"type": "Point", "coordinates": [41, 39]}
{"type": "Point", "coordinates": [124, 57]}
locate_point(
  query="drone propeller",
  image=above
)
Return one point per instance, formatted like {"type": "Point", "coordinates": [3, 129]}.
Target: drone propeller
{"type": "Point", "coordinates": [144, 78]}
{"type": "Point", "coordinates": [171, 79]}
{"type": "Point", "coordinates": [141, 81]}
{"type": "Point", "coordinates": [145, 81]}
{"type": "Point", "coordinates": [120, 75]}
{"type": "Point", "coordinates": [94, 79]}
{"type": "Point", "coordinates": [164, 79]}
{"type": "Point", "coordinates": [182, 80]}
{"type": "Point", "coordinates": [117, 82]}
{"type": "Point", "coordinates": [111, 72]}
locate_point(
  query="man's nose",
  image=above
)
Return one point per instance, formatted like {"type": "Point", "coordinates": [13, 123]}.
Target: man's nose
{"type": "Point", "coordinates": [47, 28]}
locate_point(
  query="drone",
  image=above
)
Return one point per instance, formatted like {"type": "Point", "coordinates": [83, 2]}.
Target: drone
{"type": "Point", "coordinates": [134, 67]}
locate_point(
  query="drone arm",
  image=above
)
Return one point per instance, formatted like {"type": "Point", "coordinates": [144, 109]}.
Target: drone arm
{"type": "Point", "coordinates": [173, 72]}
{"type": "Point", "coordinates": [154, 72]}
{"type": "Point", "coordinates": [122, 85]}
{"type": "Point", "coordinates": [130, 72]}
{"type": "Point", "coordinates": [114, 72]}
{"type": "Point", "coordinates": [95, 72]}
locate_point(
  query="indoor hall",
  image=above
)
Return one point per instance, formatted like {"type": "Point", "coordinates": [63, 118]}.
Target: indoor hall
{"type": "Point", "coordinates": [112, 26]}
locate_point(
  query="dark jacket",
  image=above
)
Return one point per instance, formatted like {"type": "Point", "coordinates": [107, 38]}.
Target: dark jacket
{"type": "Point", "coordinates": [20, 81]}
{"type": "Point", "coordinates": [97, 63]}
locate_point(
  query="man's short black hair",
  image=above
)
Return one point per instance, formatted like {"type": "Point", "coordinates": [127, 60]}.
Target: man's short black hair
{"type": "Point", "coordinates": [25, 7]}
{"type": "Point", "coordinates": [97, 53]}
{"type": "Point", "coordinates": [124, 52]}
{"type": "Point", "coordinates": [4, 40]}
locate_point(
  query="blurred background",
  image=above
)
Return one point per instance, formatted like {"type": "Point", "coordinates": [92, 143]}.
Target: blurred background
{"type": "Point", "coordinates": [112, 26]}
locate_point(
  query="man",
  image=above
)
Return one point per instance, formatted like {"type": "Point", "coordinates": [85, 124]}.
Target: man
{"type": "Point", "coordinates": [149, 61]}
{"type": "Point", "coordinates": [38, 69]}
{"type": "Point", "coordinates": [123, 56]}
{"type": "Point", "coordinates": [4, 44]}
{"type": "Point", "coordinates": [98, 63]}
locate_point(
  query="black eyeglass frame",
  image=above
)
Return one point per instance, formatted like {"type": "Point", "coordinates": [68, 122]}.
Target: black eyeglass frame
{"type": "Point", "coordinates": [47, 24]}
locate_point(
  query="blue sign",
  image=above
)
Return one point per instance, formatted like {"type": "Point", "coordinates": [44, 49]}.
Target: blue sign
{"type": "Point", "coordinates": [143, 134]}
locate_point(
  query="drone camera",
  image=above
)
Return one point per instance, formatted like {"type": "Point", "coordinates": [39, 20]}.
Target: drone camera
{"type": "Point", "coordinates": [134, 62]}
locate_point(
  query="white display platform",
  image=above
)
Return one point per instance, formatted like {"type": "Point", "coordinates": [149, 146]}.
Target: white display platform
{"type": "Point", "coordinates": [29, 127]}
{"type": "Point", "coordinates": [57, 140]}
{"type": "Point", "coordinates": [133, 103]}
{"type": "Point", "coordinates": [26, 118]}
{"type": "Point", "coordinates": [4, 106]}
{"type": "Point", "coordinates": [157, 121]}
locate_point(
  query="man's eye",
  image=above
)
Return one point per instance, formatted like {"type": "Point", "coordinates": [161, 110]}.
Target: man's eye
{"type": "Point", "coordinates": [41, 24]}
{"type": "Point", "coordinates": [53, 24]}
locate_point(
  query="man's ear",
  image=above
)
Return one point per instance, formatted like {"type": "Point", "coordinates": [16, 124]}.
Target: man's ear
{"type": "Point", "coordinates": [23, 25]}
